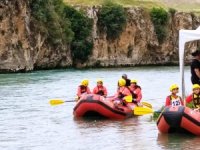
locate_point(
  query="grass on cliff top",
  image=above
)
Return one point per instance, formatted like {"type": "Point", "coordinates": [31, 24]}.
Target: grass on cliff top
{"type": "Point", "coordinates": [180, 5]}
{"type": "Point", "coordinates": [126, 3]}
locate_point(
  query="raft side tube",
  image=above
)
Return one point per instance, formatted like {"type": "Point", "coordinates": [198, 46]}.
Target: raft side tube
{"type": "Point", "coordinates": [173, 116]}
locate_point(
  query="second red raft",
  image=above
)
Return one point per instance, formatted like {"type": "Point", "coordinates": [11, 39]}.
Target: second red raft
{"type": "Point", "coordinates": [179, 119]}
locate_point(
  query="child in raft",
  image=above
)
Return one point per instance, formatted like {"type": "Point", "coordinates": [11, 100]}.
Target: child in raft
{"type": "Point", "coordinates": [100, 89]}
{"type": "Point", "coordinates": [194, 98]}
{"type": "Point", "coordinates": [83, 88]}
{"type": "Point", "coordinates": [136, 92]}
{"type": "Point", "coordinates": [123, 94]}
{"type": "Point", "coordinates": [173, 99]}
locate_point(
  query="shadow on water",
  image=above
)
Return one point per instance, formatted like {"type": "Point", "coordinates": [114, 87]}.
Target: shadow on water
{"type": "Point", "coordinates": [99, 119]}
{"type": "Point", "coordinates": [91, 119]}
{"type": "Point", "coordinates": [94, 115]}
{"type": "Point", "coordinates": [178, 141]}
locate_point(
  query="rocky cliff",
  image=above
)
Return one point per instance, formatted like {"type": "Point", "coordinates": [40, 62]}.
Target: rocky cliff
{"type": "Point", "coordinates": [22, 48]}
{"type": "Point", "coordinates": [138, 43]}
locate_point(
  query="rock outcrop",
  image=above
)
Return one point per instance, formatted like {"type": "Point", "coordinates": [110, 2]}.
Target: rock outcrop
{"type": "Point", "coordinates": [22, 48]}
{"type": "Point", "coordinates": [138, 43]}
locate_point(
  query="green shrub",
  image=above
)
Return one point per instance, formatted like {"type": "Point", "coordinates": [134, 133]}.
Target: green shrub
{"type": "Point", "coordinates": [50, 22]}
{"type": "Point", "coordinates": [82, 28]}
{"type": "Point", "coordinates": [80, 23]}
{"type": "Point", "coordinates": [159, 17]}
{"type": "Point", "coordinates": [81, 49]}
{"type": "Point", "coordinates": [112, 19]}
{"type": "Point", "coordinates": [62, 24]}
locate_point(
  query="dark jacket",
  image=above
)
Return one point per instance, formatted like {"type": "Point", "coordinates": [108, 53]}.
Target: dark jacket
{"type": "Point", "coordinates": [195, 65]}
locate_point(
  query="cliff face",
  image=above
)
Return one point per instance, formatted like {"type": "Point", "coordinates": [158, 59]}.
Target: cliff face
{"type": "Point", "coordinates": [22, 48]}
{"type": "Point", "coordinates": [15, 51]}
{"type": "Point", "coordinates": [138, 44]}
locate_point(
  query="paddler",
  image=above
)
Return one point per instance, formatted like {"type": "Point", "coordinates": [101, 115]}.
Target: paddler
{"type": "Point", "coordinates": [135, 91]}
{"type": "Point", "coordinates": [100, 89]}
{"type": "Point", "coordinates": [123, 94]}
{"type": "Point", "coordinates": [194, 98]}
{"type": "Point", "coordinates": [83, 88]}
{"type": "Point", "coordinates": [173, 99]}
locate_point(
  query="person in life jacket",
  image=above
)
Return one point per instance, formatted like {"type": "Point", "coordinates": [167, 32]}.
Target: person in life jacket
{"type": "Point", "coordinates": [173, 99]}
{"type": "Point", "coordinates": [123, 94]}
{"type": "Point", "coordinates": [135, 91]}
{"type": "Point", "coordinates": [194, 98]}
{"type": "Point", "coordinates": [83, 88]}
{"type": "Point", "coordinates": [100, 89]}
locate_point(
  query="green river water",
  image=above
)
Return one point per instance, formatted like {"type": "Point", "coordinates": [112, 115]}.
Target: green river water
{"type": "Point", "coordinates": [28, 122]}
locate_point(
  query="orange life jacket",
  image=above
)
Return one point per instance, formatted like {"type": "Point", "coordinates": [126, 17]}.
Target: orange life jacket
{"type": "Point", "coordinates": [121, 92]}
{"type": "Point", "coordinates": [100, 91]}
{"type": "Point", "coordinates": [132, 92]}
{"type": "Point", "coordinates": [83, 89]}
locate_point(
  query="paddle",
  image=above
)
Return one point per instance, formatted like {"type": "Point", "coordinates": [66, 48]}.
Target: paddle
{"type": "Point", "coordinates": [129, 100]}
{"type": "Point", "coordinates": [142, 111]}
{"type": "Point", "coordinates": [137, 110]}
{"type": "Point", "coordinates": [54, 102]}
{"type": "Point", "coordinates": [147, 104]}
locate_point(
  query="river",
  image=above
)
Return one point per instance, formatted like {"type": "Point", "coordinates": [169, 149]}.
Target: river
{"type": "Point", "coordinates": [28, 122]}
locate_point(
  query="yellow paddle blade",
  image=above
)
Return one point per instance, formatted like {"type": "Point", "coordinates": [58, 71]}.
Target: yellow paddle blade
{"type": "Point", "coordinates": [56, 102]}
{"type": "Point", "coordinates": [147, 104]}
{"type": "Point", "coordinates": [142, 111]}
{"type": "Point", "coordinates": [128, 99]}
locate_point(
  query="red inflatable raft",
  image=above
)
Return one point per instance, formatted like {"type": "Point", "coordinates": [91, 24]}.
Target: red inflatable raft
{"type": "Point", "coordinates": [95, 105]}
{"type": "Point", "coordinates": [179, 119]}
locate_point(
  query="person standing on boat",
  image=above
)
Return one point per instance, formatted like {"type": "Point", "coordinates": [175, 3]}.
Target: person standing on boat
{"type": "Point", "coordinates": [83, 88]}
{"type": "Point", "coordinates": [193, 100]}
{"type": "Point", "coordinates": [100, 89]}
{"type": "Point", "coordinates": [128, 81]}
{"type": "Point", "coordinates": [174, 99]}
{"type": "Point", "coordinates": [136, 91]}
{"type": "Point", "coordinates": [195, 67]}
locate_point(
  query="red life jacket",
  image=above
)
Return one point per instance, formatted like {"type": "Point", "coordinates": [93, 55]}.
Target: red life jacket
{"type": "Point", "coordinates": [100, 91]}
{"type": "Point", "coordinates": [121, 95]}
{"type": "Point", "coordinates": [83, 89]}
{"type": "Point", "coordinates": [132, 92]}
